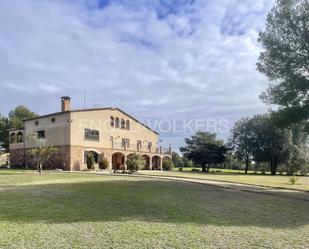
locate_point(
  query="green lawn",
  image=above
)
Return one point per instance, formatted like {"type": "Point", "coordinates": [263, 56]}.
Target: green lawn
{"type": "Point", "coordinates": [258, 180]}
{"type": "Point", "coordinates": [77, 210]}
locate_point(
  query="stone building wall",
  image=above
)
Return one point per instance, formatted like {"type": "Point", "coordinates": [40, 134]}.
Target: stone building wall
{"type": "Point", "coordinates": [21, 158]}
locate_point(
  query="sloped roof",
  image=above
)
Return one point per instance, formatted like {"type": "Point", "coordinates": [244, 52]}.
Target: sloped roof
{"type": "Point", "coordinates": [93, 109]}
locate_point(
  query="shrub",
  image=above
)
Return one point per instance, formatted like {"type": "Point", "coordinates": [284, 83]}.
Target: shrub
{"type": "Point", "coordinates": [195, 170]}
{"type": "Point", "coordinates": [167, 164]}
{"type": "Point", "coordinates": [104, 164]}
{"type": "Point", "coordinates": [135, 163]}
{"type": "Point", "coordinates": [180, 169]}
{"type": "Point", "coordinates": [293, 179]}
{"type": "Point", "coordinates": [90, 160]}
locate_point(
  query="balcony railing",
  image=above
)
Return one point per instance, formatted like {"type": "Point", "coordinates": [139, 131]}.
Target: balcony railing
{"type": "Point", "coordinates": [135, 147]}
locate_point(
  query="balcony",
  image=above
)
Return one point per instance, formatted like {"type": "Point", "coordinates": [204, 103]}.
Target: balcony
{"type": "Point", "coordinates": [135, 147]}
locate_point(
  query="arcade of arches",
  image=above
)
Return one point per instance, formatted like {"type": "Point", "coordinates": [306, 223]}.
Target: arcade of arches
{"type": "Point", "coordinates": [152, 162]}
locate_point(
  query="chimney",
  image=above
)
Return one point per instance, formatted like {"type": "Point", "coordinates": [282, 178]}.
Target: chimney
{"type": "Point", "coordinates": [65, 103]}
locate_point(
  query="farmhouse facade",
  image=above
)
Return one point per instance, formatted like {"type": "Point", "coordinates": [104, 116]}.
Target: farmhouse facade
{"type": "Point", "coordinates": [108, 133]}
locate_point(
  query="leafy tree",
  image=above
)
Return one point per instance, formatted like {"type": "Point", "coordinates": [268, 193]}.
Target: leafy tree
{"type": "Point", "coordinates": [205, 149]}
{"type": "Point", "coordinates": [176, 159]}
{"type": "Point", "coordinates": [90, 160]}
{"type": "Point", "coordinates": [285, 61]}
{"type": "Point", "coordinates": [17, 116]}
{"type": "Point", "coordinates": [270, 142]}
{"type": "Point", "coordinates": [42, 152]}
{"type": "Point", "coordinates": [4, 134]}
{"type": "Point", "coordinates": [242, 141]}
{"type": "Point", "coordinates": [135, 162]}
{"type": "Point", "coordinates": [15, 120]}
{"type": "Point", "coordinates": [298, 150]}
{"type": "Point", "coordinates": [167, 164]}
{"type": "Point", "coordinates": [232, 162]}
{"type": "Point", "coordinates": [186, 163]}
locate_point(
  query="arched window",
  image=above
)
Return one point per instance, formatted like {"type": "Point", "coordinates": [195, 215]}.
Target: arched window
{"type": "Point", "coordinates": [117, 123]}
{"type": "Point", "coordinates": [13, 138]}
{"type": "Point", "coordinates": [123, 124]}
{"type": "Point", "coordinates": [128, 125]}
{"type": "Point", "coordinates": [19, 137]}
{"type": "Point", "coordinates": [112, 121]}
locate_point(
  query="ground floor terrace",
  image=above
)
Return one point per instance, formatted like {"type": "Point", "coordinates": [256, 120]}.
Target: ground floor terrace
{"type": "Point", "coordinates": [74, 158]}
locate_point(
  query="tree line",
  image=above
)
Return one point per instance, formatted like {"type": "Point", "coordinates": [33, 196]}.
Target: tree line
{"type": "Point", "coordinates": [280, 137]}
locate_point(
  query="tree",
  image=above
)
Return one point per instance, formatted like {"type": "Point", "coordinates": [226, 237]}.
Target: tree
{"type": "Point", "coordinates": [4, 134]}
{"type": "Point", "coordinates": [285, 61]}
{"type": "Point", "coordinates": [42, 152]}
{"type": "Point", "coordinates": [19, 114]}
{"type": "Point", "coordinates": [135, 162]}
{"type": "Point", "coordinates": [270, 143]}
{"type": "Point", "coordinates": [15, 120]}
{"type": "Point", "coordinates": [90, 160]}
{"type": "Point", "coordinates": [205, 149]}
{"type": "Point", "coordinates": [242, 141]}
{"type": "Point", "coordinates": [298, 150]}
{"type": "Point", "coordinates": [167, 164]}
{"type": "Point", "coordinates": [186, 163]}
{"type": "Point", "coordinates": [176, 159]}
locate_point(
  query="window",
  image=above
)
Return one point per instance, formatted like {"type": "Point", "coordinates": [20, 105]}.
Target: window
{"type": "Point", "coordinates": [117, 123]}
{"type": "Point", "coordinates": [12, 138]}
{"type": "Point", "coordinates": [36, 123]}
{"type": "Point", "coordinates": [53, 120]}
{"type": "Point", "coordinates": [93, 135]}
{"type": "Point", "coordinates": [19, 137]}
{"type": "Point", "coordinates": [41, 134]}
{"type": "Point", "coordinates": [139, 144]}
{"type": "Point", "coordinates": [128, 125]}
{"type": "Point", "coordinates": [123, 123]}
{"type": "Point", "coordinates": [112, 121]}
{"type": "Point", "coordinates": [126, 141]}
{"type": "Point", "coordinates": [149, 145]}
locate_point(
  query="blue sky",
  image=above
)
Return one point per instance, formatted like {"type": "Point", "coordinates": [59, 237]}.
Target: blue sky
{"type": "Point", "coordinates": [156, 59]}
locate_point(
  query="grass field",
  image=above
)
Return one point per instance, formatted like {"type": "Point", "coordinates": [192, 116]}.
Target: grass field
{"type": "Point", "coordinates": [76, 210]}
{"type": "Point", "coordinates": [258, 180]}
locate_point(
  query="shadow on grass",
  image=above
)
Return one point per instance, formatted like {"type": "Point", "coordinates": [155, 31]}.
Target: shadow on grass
{"type": "Point", "coordinates": [150, 201]}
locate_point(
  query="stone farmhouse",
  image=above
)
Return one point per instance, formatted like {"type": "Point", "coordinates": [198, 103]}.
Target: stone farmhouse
{"type": "Point", "coordinates": [108, 133]}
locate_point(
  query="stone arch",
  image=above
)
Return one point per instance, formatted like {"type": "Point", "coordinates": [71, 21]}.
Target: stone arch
{"type": "Point", "coordinates": [128, 124]}
{"type": "Point", "coordinates": [112, 121]}
{"type": "Point", "coordinates": [156, 162]}
{"type": "Point", "coordinates": [117, 122]}
{"type": "Point", "coordinates": [19, 137]}
{"type": "Point", "coordinates": [118, 161]}
{"type": "Point", "coordinates": [122, 124]}
{"type": "Point", "coordinates": [96, 155]}
{"type": "Point", "coordinates": [147, 162]}
{"type": "Point", "coordinates": [12, 138]}
{"type": "Point", "coordinates": [130, 154]}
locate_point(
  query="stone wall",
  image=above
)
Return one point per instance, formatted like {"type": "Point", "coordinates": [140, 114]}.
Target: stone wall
{"type": "Point", "coordinates": [22, 158]}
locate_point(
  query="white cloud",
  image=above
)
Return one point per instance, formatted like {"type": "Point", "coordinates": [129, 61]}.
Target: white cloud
{"type": "Point", "coordinates": [189, 61]}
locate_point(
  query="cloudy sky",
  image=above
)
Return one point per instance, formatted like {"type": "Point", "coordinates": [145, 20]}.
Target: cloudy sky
{"type": "Point", "coordinates": [178, 60]}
